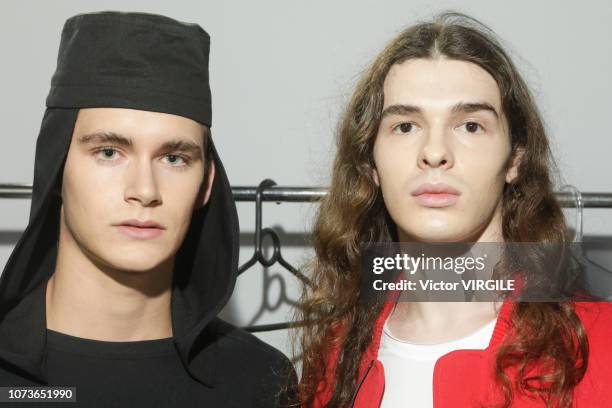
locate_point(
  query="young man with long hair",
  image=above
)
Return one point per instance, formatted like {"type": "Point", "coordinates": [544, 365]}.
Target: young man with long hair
{"type": "Point", "coordinates": [442, 142]}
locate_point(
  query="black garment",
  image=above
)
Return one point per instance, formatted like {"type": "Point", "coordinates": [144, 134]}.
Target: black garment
{"type": "Point", "coordinates": [150, 373]}
{"type": "Point", "coordinates": [243, 370]}
{"type": "Point", "coordinates": [131, 55]}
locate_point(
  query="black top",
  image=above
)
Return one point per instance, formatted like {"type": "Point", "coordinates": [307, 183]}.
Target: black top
{"type": "Point", "coordinates": [150, 373]}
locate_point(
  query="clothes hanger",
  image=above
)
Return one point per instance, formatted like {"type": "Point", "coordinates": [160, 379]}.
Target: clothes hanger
{"type": "Point", "coordinates": [276, 257]}
{"type": "Point", "coordinates": [260, 234]}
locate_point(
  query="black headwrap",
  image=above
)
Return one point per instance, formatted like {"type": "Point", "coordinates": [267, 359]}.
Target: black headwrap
{"type": "Point", "coordinates": [137, 61]}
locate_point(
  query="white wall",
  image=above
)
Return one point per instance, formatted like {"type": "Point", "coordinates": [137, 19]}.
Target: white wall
{"type": "Point", "coordinates": [281, 71]}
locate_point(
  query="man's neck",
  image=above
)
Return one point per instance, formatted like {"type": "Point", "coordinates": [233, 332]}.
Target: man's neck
{"type": "Point", "coordinates": [438, 322]}
{"type": "Point", "coordinates": [86, 299]}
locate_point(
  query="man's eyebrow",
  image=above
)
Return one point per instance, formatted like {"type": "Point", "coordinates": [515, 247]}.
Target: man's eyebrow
{"type": "Point", "coordinates": [178, 145]}
{"type": "Point", "coordinates": [105, 137]}
{"type": "Point", "coordinates": [470, 107]}
{"type": "Point", "coordinates": [400, 110]}
{"type": "Point", "coordinates": [464, 107]}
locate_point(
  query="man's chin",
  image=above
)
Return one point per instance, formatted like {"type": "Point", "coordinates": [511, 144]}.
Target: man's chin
{"type": "Point", "coordinates": [141, 265]}
{"type": "Point", "coordinates": [432, 234]}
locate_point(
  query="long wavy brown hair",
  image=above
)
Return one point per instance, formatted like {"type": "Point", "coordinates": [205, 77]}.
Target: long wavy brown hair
{"type": "Point", "coordinates": [354, 213]}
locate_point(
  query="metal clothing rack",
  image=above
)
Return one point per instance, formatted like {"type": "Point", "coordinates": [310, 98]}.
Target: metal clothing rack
{"type": "Point", "coordinates": [267, 190]}
{"type": "Point", "coordinates": [310, 194]}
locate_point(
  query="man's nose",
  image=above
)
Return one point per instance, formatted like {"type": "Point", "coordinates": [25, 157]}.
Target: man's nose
{"type": "Point", "coordinates": [435, 151]}
{"type": "Point", "coordinates": [142, 185]}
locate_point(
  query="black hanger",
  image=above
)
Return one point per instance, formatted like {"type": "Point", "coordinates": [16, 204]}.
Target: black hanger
{"type": "Point", "coordinates": [277, 257]}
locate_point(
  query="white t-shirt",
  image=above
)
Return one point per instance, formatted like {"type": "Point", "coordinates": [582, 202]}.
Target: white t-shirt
{"type": "Point", "coordinates": [409, 367]}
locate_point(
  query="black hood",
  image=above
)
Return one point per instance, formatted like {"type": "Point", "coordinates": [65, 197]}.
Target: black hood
{"type": "Point", "coordinates": [146, 62]}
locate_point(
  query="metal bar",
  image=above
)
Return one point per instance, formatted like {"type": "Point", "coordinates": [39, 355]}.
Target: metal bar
{"type": "Point", "coordinates": [280, 194]}
{"type": "Point", "coordinates": [310, 194]}
{"type": "Point", "coordinates": [15, 190]}
{"type": "Point", "coordinates": [269, 327]}
{"type": "Point", "coordinates": [589, 200]}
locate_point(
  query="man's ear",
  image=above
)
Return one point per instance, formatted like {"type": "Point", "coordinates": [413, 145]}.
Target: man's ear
{"type": "Point", "coordinates": [512, 171]}
{"type": "Point", "coordinates": [208, 183]}
{"type": "Point", "coordinates": [374, 173]}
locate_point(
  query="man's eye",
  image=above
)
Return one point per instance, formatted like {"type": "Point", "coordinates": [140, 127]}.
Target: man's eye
{"type": "Point", "coordinates": [404, 127]}
{"type": "Point", "coordinates": [106, 153]}
{"type": "Point", "coordinates": [175, 159]}
{"type": "Point", "coordinates": [472, 127]}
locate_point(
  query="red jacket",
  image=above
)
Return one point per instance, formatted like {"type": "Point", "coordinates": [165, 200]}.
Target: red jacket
{"type": "Point", "coordinates": [465, 378]}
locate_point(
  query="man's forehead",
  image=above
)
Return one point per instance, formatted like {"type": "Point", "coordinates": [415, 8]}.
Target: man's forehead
{"type": "Point", "coordinates": [440, 83]}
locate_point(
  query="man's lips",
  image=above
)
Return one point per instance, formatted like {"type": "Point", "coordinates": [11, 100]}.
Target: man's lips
{"type": "Point", "coordinates": [436, 199]}
{"type": "Point", "coordinates": [436, 195]}
{"type": "Point", "coordinates": [140, 229]}
{"type": "Point", "coordinates": [435, 188]}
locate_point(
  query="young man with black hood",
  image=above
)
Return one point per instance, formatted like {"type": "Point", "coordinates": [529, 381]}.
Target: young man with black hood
{"type": "Point", "coordinates": [131, 249]}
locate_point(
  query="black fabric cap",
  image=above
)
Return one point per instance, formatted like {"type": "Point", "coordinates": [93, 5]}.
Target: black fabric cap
{"type": "Point", "coordinates": [133, 60]}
